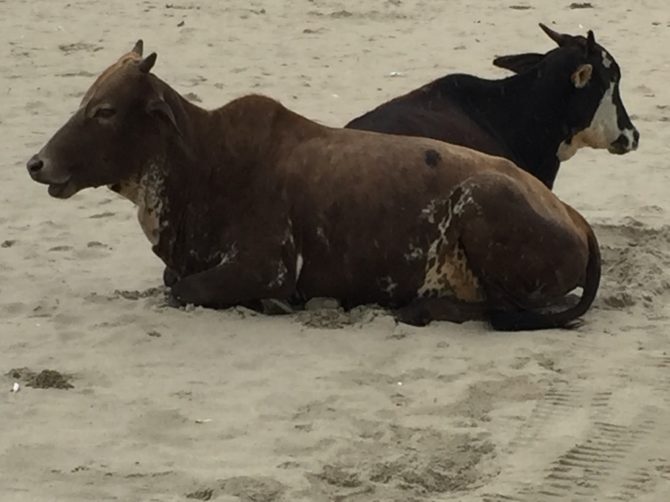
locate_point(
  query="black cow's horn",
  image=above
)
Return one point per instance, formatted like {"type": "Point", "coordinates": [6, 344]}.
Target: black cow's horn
{"type": "Point", "coordinates": [590, 43]}
{"type": "Point", "coordinates": [559, 38]}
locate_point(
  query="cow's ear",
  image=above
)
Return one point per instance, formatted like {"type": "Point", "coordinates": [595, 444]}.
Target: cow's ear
{"type": "Point", "coordinates": [158, 106]}
{"type": "Point", "coordinates": [518, 63]}
{"type": "Point", "coordinates": [148, 63]}
{"type": "Point", "coordinates": [582, 75]}
{"type": "Point", "coordinates": [138, 48]}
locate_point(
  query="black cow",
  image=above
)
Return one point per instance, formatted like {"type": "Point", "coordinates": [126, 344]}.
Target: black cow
{"type": "Point", "coordinates": [557, 103]}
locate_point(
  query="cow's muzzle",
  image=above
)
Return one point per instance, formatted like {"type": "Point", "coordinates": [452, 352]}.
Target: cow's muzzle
{"type": "Point", "coordinates": [35, 166]}
{"type": "Point", "coordinates": [60, 186]}
{"type": "Point", "coordinates": [627, 141]}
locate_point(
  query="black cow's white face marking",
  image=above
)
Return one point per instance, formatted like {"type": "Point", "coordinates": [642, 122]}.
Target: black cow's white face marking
{"type": "Point", "coordinates": [610, 127]}
{"type": "Point", "coordinates": [601, 132]}
{"type": "Point", "coordinates": [607, 60]}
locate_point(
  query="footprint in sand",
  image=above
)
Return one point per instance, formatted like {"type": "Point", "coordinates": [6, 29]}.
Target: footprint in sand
{"type": "Point", "coordinates": [403, 464]}
{"type": "Point", "coordinates": [45, 379]}
{"type": "Point", "coordinates": [61, 248]}
{"type": "Point", "coordinates": [245, 488]}
{"type": "Point", "coordinates": [94, 250]}
{"type": "Point", "coordinates": [79, 47]}
{"type": "Point", "coordinates": [46, 308]}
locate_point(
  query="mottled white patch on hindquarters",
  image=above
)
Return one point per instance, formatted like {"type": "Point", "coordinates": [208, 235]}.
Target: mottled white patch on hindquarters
{"type": "Point", "coordinates": [447, 272]}
{"type": "Point", "coordinates": [415, 253]}
{"type": "Point", "coordinates": [388, 285]}
{"type": "Point", "coordinates": [148, 194]}
{"type": "Point", "coordinates": [430, 211]}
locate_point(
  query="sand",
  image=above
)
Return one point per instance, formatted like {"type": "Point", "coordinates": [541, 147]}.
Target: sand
{"type": "Point", "coordinates": [175, 405]}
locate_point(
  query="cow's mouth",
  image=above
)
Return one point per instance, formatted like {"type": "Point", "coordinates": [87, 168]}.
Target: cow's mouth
{"type": "Point", "coordinates": [62, 190]}
{"type": "Point", "coordinates": [621, 146]}
{"type": "Point", "coordinates": [618, 149]}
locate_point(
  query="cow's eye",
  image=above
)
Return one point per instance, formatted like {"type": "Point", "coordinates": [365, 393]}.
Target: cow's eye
{"type": "Point", "coordinates": [104, 112]}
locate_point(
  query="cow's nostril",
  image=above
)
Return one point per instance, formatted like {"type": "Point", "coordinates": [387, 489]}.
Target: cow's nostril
{"type": "Point", "coordinates": [35, 165]}
{"type": "Point", "coordinates": [636, 138]}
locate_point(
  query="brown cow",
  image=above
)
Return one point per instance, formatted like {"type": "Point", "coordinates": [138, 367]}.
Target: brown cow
{"type": "Point", "coordinates": [252, 201]}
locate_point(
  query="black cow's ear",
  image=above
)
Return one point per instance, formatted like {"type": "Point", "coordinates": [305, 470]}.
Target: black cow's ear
{"type": "Point", "coordinates": [518, 63]}
{"type": "Point", "coordinates": [159, 106]}
{"type": "Point", "coordinates": [582, 75]}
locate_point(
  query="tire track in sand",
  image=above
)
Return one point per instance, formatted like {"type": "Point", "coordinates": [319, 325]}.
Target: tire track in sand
{"type": "Point", "coordinates": [650, 459]}
{"type": "Point", "coordinates": [611, 462]}
{"type": "Point", "coordinates": [560, 404]}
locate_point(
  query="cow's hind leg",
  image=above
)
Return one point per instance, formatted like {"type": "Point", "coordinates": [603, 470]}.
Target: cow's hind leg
{"type": "Point", "coordinates": [506, 311]}
{"type": "Point", "coordinates": [422, 311]}
{"type": "Point", "coordinates": [522, 256]}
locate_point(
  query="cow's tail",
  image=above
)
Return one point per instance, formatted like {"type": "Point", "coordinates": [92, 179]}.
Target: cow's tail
{"type": "Point", "coordinates": [532, 319]}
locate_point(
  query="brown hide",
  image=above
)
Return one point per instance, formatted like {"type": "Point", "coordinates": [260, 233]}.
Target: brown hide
{"type": "Point", "coordinates": [252, 201]}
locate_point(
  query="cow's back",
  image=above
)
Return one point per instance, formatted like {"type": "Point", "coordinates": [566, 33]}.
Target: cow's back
{"type": "Point", "coordinates": [443, 114]}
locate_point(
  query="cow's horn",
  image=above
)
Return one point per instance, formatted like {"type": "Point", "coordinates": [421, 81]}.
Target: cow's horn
{"type": "Point", "coordinates": [559, 38]}
{"type": "Point", "coordinates": [138, 48]}
{"type": "Point", "coordinates": [590, 43]}
{"type": "Point", "coordinates": [148, 63]}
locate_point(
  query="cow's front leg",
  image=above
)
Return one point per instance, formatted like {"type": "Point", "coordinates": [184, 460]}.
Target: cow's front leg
{"type": "Point", "coordinates": [170, 277]}
{"type": "Point", "coordinates": [236, 284]}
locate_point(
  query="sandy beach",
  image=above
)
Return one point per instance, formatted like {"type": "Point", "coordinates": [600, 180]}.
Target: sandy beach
{"type": "Point", "coordinates": [164, 404]}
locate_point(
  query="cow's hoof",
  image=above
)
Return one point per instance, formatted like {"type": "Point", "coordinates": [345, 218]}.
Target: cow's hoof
{"type": "Point", "coordinates": [170, 277]}
{"type": "Point", "coordinates": [272, 306]}
{"type": "Point", "coordinates": [412, 315]}
{"type": "Point", "coordinates": [574, 324]}
{"type": "Point", "coordinates": [173, 302]}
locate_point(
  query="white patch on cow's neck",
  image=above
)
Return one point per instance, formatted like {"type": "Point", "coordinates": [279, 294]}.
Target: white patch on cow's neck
{"type": "Point", "coordinates": [280, 277]}
{"type": "Point", "coordinates": [601, 132]}
{"type": "Point", "coordinates": [229, 256]}
{"type": "Point", "coordinates": [566, 150]}
{"type": "Point", "coordinates": [299, 262]}
{"type": "Point", "coordinates": [607, 62]}
{"type": "Point", "coordinates": [388, 285]}
{"type": "Point", "coordinates": [147, 193]}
